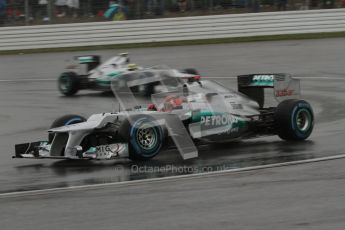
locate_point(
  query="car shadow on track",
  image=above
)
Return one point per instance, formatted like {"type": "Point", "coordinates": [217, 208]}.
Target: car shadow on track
{"type": "Point", "coordinates": [229, 155]}
{"type": "Point", "coordinates": [90, 94]}
{"type": "Point", "coordinates": [169, 163]}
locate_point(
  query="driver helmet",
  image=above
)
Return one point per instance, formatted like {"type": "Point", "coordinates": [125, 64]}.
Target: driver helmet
{"type": "Point", "coordinates": [132, 67]}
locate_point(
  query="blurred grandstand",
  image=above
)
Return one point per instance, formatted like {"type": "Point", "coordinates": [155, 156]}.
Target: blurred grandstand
{"type": "Point", "coordinates": [36, 12]}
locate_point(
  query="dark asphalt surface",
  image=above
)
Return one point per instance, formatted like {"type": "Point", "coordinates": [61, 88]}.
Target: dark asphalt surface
{"type": "Point", "coordinates": [300, 197]}
{"type": "Point", "coordinates": [27, 109]}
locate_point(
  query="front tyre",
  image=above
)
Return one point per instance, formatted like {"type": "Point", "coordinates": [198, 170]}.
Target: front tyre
{"type": "Point", "coordinates": [68, 83]}
{"type": "Point", "coordinates": [63, 121]}
{"type": "Point", "coordinates": [144, 135]}
{"type": "Point", "coordinates": [294, 120]}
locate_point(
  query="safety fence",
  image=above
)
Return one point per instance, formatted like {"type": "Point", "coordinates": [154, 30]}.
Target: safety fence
{"type": "Point", "coordinates": [171, 29]}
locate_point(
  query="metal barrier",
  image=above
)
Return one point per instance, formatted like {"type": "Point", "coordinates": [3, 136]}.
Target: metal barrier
{"type": "Point", "coordinates": [171, 29]}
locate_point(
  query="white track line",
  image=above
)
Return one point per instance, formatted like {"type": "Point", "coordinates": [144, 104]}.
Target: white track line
{"type": "Point", "coordinates": [171, 178]}
{"type": "Point", "coordinates": [223, 78]}
{"type": "Point", "coordinates": [26, 80]}
{"type": "Point", "coordinates": [304, 78]}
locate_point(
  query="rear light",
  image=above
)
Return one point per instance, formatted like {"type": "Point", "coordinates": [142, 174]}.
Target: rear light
{"type": "Point", "coordinates": [194, 78]}
{"type": "Point", "coordinates": [197, 77]}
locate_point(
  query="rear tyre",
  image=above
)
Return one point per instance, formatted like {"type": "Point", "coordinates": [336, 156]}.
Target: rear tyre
{"type": "Point", "coordinates": [148, 90]}
{"type": "Point", "coordinates": [68, 83]}
{"type": "Point", "coordinates": [190, 71]}
{"type": "Point", "coordinates": [294, 120]}
{"type": "Point", "coordinates": [63, 121]}
{"type": "Point", "coordinates": [145, 137]}
{"type": "Point", "coordinates": [135, 89]}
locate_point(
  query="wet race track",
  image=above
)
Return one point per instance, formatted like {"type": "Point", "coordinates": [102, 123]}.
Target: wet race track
{"type": "Point", "coordinates": [30, 102]}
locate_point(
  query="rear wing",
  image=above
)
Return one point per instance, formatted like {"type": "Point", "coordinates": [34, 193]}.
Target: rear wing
{"type": "Point", "coordinates": [91, 61]}
{"type": "Point", "coordinates": [284, 86]}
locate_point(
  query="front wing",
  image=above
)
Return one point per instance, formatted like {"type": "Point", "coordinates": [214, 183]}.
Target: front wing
{"type": "Point", "coordinates": [41, 150]}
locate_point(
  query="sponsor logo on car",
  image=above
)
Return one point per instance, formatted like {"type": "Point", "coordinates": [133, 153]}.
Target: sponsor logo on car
{"type": "Point", "coordinates": [232, 130]}
{"type": "Point", "coordinates": [218, 120]}
{"type": "Point", "coordinates": [107, 151]}
{"type": "Point", "coordinates": [86, 59]}
{"type": "Point", "coordinates": [263, 80]}
{"type": "Point", "coordinates": [236, 106]}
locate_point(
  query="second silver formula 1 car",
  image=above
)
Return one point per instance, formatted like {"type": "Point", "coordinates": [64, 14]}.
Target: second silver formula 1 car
{"type": "Point", "coordinates": [90, 73]}
{"type": "Point", "coordinates": [201, 111]}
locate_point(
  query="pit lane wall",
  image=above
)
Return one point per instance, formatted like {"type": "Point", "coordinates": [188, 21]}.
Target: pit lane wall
{"type": "Point", "coordinates": [171, 29]}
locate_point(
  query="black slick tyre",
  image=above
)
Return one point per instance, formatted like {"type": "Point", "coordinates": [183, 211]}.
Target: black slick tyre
{"type": "Point", "coordinates": [69, 119]}
{"type": "Point", "coordinates": [145, 137]}
{"type": "Point", "coordinates": [68, 83]}
{"type": "Point", "coordinates": [190, 71]}
{"type": "Point", "coordinates": [294, 120]}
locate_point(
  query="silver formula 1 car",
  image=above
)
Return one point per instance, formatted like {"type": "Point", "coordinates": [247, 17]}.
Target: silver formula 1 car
{"type": "Point", "coordinates": [90, 73]}
{"type": "Point", "coordinates": [200, 111]}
